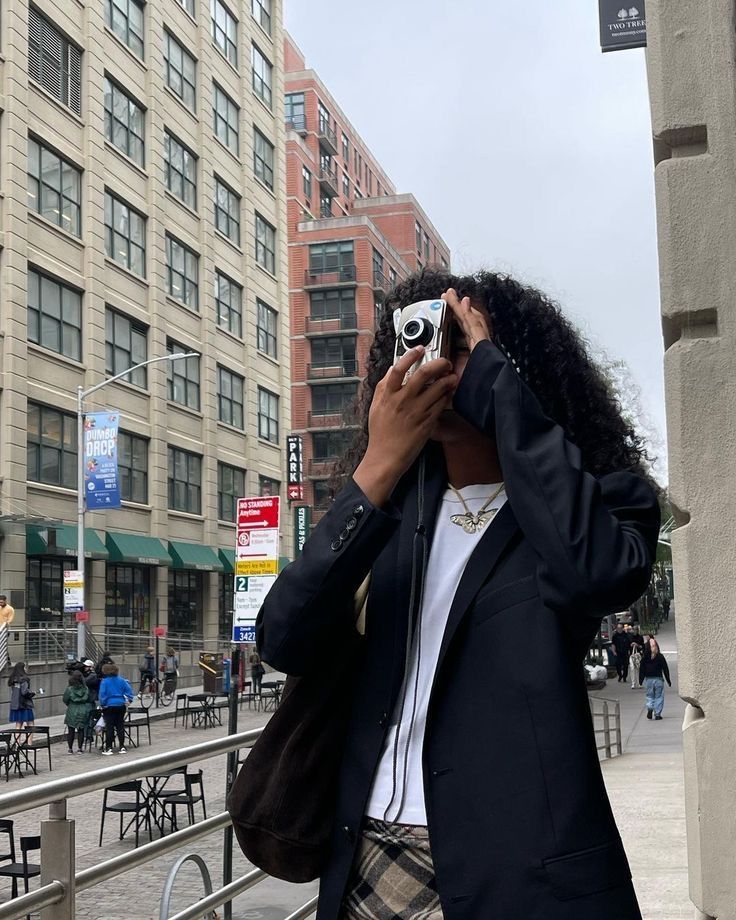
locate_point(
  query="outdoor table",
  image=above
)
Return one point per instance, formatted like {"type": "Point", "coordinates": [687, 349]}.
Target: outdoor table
{"type": "Point", "coordinates": [273, 696]}
{"type": "Point", "coordinates": [202, 716]}
{"type": "Point", "coordinates": [155, 795]}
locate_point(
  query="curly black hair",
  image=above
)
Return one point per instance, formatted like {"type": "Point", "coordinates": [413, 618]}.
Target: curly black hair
{"type": "Point", "coordinates": [549, 354]}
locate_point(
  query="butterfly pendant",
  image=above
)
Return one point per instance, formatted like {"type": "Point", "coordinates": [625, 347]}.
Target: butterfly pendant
{"type": "Point", "coordinates": [472, 523]}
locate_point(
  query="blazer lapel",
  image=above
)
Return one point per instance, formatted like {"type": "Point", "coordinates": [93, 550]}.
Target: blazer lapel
{"type": "Point", "coordinates": [483, 560]}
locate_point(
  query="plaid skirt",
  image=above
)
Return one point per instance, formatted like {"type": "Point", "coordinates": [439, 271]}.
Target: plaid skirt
{"type": "Point", "coordinates": [393, 876]}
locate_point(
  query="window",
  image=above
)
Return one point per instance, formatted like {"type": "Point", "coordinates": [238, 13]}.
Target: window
{"type": "Point", "coordinates": [392, 277]}
{"type": "Point", "coordinates": [323, 495]}
{"type": "Point", "coordinates": [307, 184]}
{"type": "Point", "coordinates": [54, 62]}
{"type": "Point", "coordinates": [227, 211]}
{"type": "Point", "coordinates": [54, 187]}
{"type": "Point", "coordinates": [181, 71]}
{"type": "Point", "coordinates": [268, 486]}
{"type": "Point", "coordinates": [230, 487]}
{"type": "Point", "coordinates": [126, 344]}
{"type": "Point", "coordinates": [345, 185]}
{"type": "Point", "coordinates": [377, 266]}
{"type": "Point", "coordinates": [224, 30]}
{"type": "Point", "coordinates": [128, 597]}
{"type": "Point", "coordinates": [229, 397]}
{"type": "Point", "coordinates": [125, 235]}
{"type": "Point", "coordinates": [265, 244]}
{"type": "Point", "coordinates": [333, 398]}
{"type": "Point", "coordinates": [125, 18]}
{"type": "Point", "coordinates": [186, 602]}
{"type": "Point", "coordinates": [330, 445]}
{"type": "Point", "coordinates": [262, 14]}
{"type": "Point", "coordinates": [262, 73]}
{"type": "Point", "coordinates": [181, 170]}
{"type": "Point", "coordinates": [426, 245]}
{"type": "Point", "coordinates": [185, 481]}
{"type": "Point", "coordinates": [188, 6]}
{"type": "Point", "coordinates": [229, 303]}
{"type": "Point", "coordinates": [183, 376]}
{"type": "Point", "coordinates": [226, 606]}
{"type": "Point", "coordinates": [263, 158]}
{"type": "Point", "coordinates": [336, 353]}
{"type": "Point", "coordinates": [337, 257]}
{"type": "Point", "coordinates": [325, 206]}
{"type": "Point", "coordinates": [133, 467]}
{"type": "Point", "coordinates": [324, 119]}
{"type": "Point", "coordinates": [418, 236]}
{"type": "Point", "coordinates": [294, 113]}
{"type": "Point", "coordinates": [125, 122]}
{"type": "Point", "coordinates": [182, 273]}
{"type": "Point", "coordinates": [225, 115]}
{"type": "Point", "coordinates": [332, 304]}
{"type": "Point", "coordinates": [266, 327]}
{"type": "Point", "coordinates": [52, 446]}
{"type": "Point", "coordinates": [345, 150]}
{"type": "Point", "coordinates": [268, 416]}
{"type": "Point", "coordinates": [54, 315]}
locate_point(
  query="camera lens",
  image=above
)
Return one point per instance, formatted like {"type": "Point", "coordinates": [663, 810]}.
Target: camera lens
{"type": "Point", "coordinates": [417, 332]}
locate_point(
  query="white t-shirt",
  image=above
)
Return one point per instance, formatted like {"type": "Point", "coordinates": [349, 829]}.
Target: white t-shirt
{"type": "Point", "coordinates": [451, 549]}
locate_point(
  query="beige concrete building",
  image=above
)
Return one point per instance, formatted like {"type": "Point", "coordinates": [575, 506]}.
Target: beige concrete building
{"type": "Point", "coordinates": [143, 211]}
{"type": "Point", "coordinates": [691, 80]}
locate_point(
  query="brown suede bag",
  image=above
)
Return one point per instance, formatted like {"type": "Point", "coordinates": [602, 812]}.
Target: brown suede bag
{"type": "Point", "coordinates": [283, 801]}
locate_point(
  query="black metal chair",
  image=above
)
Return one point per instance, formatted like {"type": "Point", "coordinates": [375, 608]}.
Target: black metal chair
{"type": "Point", "coordinates": [44, 742]}
{"type": "Point", "coordinates": [23, 869]}
{"type": "Point", "coordinates": [137, 724]}
{"type": "Point", "coordinates": [7, 753]}
{"type": "Point", "coordinates": [137, 808]}
{"type": "Point", "coordinates": [180, 709]}
{"type": "Point", "coordinates": [193, 794]}
{"type": "Point", "coordinates": [270, 695]}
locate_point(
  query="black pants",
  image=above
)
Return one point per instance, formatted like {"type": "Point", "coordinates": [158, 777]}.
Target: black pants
{"type": "Point", "coordinates": [622, 665]}
{"type": "Point", "coordinates": [146, 678]}
{"type": "Point", "coordinates": [114, 719]}
{"type": "Point", "coordinates": [70, 737]}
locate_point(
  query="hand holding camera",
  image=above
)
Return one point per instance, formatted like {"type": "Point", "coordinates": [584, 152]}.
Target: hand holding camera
{"type": "Point", "coordinates": [401, 419]}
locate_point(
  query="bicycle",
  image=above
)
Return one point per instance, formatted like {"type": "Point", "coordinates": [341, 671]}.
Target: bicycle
{"type": "Point", "coordinates": [152, 689]}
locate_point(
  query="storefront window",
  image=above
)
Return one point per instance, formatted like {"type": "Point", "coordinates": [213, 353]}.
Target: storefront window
{"type": "Point", "coordinates": [186, 602]}
{"type": "Point", "coordinates": [128, 597]}
{"type": "Point", "coordinates": [225, 622]}
{"type": "Point", "coordinates": [45, 591]}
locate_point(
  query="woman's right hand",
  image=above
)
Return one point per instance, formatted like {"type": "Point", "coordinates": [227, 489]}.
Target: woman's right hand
{"type": "Point", "coordinates": [401, 420]}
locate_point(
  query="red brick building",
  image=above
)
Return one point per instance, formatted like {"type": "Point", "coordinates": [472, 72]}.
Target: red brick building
{"type": "Point", "coordinates": [351, 237]}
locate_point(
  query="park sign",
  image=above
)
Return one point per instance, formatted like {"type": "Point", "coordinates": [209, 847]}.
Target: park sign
{"type": "Point", "coordinates": [623, 25]}
{"type": "Point", "coordinates": [294, 468]}
{"type": "Point", "coordinates": [256, 561]}
{"type": "Point", "coordinates": [101, 483]}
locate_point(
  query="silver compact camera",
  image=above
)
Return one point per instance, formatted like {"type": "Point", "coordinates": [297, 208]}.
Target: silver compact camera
{"type": "Point", "coordinates": [427, 323]}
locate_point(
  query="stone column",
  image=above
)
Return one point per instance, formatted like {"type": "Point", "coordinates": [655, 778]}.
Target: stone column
{"type": "Point", "coordinates": [691, 81]}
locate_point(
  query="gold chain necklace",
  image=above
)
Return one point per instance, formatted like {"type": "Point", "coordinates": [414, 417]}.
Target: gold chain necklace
{"type": "Point", "coordinates": [472, 523]}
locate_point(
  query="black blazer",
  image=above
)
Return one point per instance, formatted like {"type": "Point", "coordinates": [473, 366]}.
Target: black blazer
{"type": "Point", "coordinates": [519, 821]}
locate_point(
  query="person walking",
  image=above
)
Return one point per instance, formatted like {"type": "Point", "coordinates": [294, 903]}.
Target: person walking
{"type": "Point", "coordinates": [21, 701]}
{"type": "Point", "coordinates": [256, 672]}
{"type": "Point", "coordinates": [7, 615]}
{"type": "Point", "coordinates": [170, 667]}
{"type": "Point", "coordinates": [115, 694]}
{"type": "Point", "coordinates": [621, 642]}
{"type": "Point", "coordinates": [653, 671]}
{"type": "Point", "coordinates": [635, 662]}
{"type": "Point", "coordinates": [495, 493]}
{"type": "Point", "coordinates": [147, 668]}
{"type": "Point", "coordinates": [76, 698]}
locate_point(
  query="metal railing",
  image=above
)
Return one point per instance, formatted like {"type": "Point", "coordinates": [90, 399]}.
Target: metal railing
{"type": "Point", "coordinates": [326, 370]}
{"type": "Point", "coordinates": [328, 324]}
{"type": "Point", "coordinates": [607, 722]}
{"type": "Point", "coordinates": [56, 897]}
{"type": "Point", "coordinates": [328, 277]}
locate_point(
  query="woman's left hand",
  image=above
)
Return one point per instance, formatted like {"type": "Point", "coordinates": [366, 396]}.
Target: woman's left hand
{"type": "Point", "coordinates": [474, 324]}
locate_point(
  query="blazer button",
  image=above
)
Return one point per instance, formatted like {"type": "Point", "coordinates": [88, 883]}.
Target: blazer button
{"type": "Point", "coordinates": [351, 523]}
{"type": "Point", "coordinates": [358, 511]}
{"type": "Point", "coordinates": [336, 545]}
{"type": "Point", "coordinates": [344, 535]}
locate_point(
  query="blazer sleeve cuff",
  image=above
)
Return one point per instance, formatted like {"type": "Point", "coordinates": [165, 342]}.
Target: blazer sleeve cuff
{"type": "Point", "coordinates": [473, 398]}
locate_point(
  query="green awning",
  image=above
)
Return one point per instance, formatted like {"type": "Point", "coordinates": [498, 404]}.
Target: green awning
{"type": "Point", "coordinates": [136, 548]}
{"type": "Point", "coordinates": [194, 556]}
{"type": "Point", "coordinates": [227, 557]}
{"type": "Point", "coordinates": [62, 541]}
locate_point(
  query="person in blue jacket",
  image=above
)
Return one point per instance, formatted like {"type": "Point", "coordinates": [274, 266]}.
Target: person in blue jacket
{"type": "Point", "coordinates": [115, 694]}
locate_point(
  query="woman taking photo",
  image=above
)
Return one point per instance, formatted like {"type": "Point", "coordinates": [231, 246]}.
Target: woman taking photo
{"type": "Point", "coordinates": [21, 701]}
{"type": "Point", "coordinates": [498, 493]}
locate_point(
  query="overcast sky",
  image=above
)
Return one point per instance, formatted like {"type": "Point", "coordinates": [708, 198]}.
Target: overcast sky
{"type": "Point", "coordinates": [529, 150]}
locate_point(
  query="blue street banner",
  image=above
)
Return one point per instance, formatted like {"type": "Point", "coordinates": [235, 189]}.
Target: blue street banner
{"type": "Point", "coordinates": [101, 483]}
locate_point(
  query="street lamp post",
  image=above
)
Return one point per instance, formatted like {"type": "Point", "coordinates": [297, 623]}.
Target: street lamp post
{"type": "Point", "coordinates": [82, 394]}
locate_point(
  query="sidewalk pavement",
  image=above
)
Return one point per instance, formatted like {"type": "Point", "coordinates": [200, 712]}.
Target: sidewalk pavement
{"type": "Point", "coordinates": [646, 790]}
